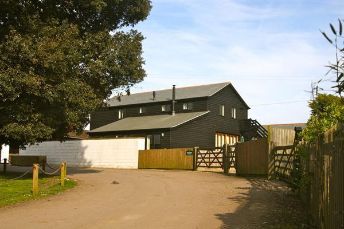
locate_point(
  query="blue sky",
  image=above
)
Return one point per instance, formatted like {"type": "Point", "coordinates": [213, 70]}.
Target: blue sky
{"type": "Point", "coordinates": [270, 50]}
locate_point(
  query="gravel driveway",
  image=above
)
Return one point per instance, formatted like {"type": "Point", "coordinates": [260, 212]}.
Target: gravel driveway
{"type": "Point", "coordinates": [112, 198]}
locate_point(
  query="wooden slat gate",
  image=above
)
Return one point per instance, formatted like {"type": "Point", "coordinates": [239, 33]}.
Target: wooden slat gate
{"type": "Point", "coordinates": [284, 159]}
{"type": "Point", "coordinates": [214, 157]}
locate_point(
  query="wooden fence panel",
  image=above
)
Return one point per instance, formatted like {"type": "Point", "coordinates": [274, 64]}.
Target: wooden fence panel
{"type": "Point", "coordinates": [166, 159]}
{"type": "Point", "coordinates": [281, 137]}
{"type": "Point", "coordinates": [326, 171]}
{"type": "Point", "coordinates": [251, 157]}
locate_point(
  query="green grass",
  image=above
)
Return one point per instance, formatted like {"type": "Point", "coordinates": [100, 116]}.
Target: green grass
{"type": "Point", "coordinates": [16, 191]}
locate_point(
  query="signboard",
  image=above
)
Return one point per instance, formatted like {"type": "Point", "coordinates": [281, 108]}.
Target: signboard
{"type": "Point", "coordinates": [189, 153]}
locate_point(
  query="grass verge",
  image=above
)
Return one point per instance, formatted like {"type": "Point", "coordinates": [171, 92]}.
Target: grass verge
{"type": "Point", "coordinates": [16, 191]}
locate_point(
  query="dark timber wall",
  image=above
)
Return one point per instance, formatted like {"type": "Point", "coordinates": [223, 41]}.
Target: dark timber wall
{"type": "Point", "coordinates": [109, 115]}
{"type": "Point", "coordinates": [194, 133]}
{"type": "Point", "coordinates": [198, 132]}
{"type": "Point", "coordinates": [230, 99]}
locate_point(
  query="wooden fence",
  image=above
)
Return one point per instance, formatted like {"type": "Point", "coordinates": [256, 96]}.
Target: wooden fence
{"type": "Point", "coordinates": [321, 169]}
{"type": "Point", "coordinates": [182, 158]}
{"type": "Point", "coordinates": [326, 173]}
{"type": "Point", "coordinates": [280, 136]}
{"type": "Point", "coordinates": [251, 157]}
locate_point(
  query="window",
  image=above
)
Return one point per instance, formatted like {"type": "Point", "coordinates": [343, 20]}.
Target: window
{"type": "Point", "coordinates": [153, 141]}
{"type": "Point", "coordinates": [157, 138]}
{"type": "Point", "coordinates": [187, 106]}
{"type": "Point", "coordinates": [222, 139]}
{"type": "Point", "coordinates": [142, 110]}
{"type": "Point", "coordinates": [234, 113]}
{"type": "Point", "coordinates": [222, 110]}
{"type": "Point", "coordinates": [120, 114]}
{"type": "Point", "coordinates": [166, 108]}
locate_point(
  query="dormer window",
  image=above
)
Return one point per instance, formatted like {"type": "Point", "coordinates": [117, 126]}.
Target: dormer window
{"type": "Point", "coordinates": [187, 106]}
{"type": "Point", "coordinates": [233, 113]}
{"type": "Point", "coordinates": [166, 108]}
{"type": "Point", "coordinates": [120, 113]}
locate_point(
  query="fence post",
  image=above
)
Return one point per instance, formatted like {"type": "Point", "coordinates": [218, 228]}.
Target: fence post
{"type": "Point", "coordinates": [194, 155]}
{"type": "Point", "coordinates": [63, 173]}
{"type": "Point", "coordinates": [5, 165]}
{"type": "Point", "coordinates": [35, 170]}
{"type": "Point", "coordinates": [225, 159]}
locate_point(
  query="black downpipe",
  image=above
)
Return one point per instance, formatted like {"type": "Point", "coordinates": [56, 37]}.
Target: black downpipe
{"type": "Point", "coordinates": [173, 99]}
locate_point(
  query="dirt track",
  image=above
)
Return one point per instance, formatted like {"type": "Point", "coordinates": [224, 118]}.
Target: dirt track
{"type": "Point", "coordinates": [153, 199]}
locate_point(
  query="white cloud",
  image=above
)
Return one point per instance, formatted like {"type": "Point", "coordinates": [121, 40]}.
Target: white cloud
{"type": "Point", "coordinates": [260, 48]}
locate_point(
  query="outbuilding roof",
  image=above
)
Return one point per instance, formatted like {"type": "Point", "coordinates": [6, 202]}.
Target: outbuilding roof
{"type": "Point", "coordinates": [149, 122]}
{"type": "Point", "coordinates": [166, 95]}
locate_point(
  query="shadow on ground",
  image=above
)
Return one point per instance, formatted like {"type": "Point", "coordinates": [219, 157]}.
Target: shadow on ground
{"type": "Point", "coordinates": [266, 204]}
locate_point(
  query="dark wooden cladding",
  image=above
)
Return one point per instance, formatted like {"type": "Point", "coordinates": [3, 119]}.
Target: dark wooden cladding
{"type": "Point", "coordinates": [103, 117]}
{"type": "Point", "coordinates": [198, 132]}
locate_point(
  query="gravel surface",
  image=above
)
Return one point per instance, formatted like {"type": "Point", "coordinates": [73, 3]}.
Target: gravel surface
{"type": "Point", "coordinates": [112, 198]}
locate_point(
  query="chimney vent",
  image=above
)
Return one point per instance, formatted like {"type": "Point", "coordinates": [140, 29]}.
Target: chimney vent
{"type": "Point", "coordinates": [173, 99]}
{"type": "Point", "coordinates": [154, 95]}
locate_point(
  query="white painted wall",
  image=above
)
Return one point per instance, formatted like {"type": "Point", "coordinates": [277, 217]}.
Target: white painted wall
{"type": "Point", "coordinates": [4, 152]}
{"type": "Point", "coordinates": [103, 153]}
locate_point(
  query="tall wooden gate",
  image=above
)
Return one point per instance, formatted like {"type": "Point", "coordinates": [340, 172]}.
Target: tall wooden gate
{"type": "Point", "coordinates": [252, 157]}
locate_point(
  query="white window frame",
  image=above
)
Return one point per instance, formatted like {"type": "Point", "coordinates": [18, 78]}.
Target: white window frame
{"type": "Point", "coordinates": [187, 106]}
{"type": "Point", "coordinates": [163, 108]}
{"type": "Point", "coordinates": [234, 113]}
{"type": "Point", "coordinates": [222, 110]}
{"type": "Point", "coordinates": [141, 110]}
{"type": "Point", "coordinates": [120, 114]}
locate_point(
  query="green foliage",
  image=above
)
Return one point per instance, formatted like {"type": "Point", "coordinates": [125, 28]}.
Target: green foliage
{"type": "Point", "coordinates": [301, 180]}
{"type": "Point", "coordinates": [60, 60]}
{"type": "Point", "coordinates": [337, 41]}
{"type": "Point", "coordinates": [326, 111]}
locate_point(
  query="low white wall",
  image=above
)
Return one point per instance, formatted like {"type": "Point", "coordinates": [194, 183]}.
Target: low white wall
{"type": "Point", "coordinates": [104, 153]}
{"type": "Point", "coordinates": [4, 153]}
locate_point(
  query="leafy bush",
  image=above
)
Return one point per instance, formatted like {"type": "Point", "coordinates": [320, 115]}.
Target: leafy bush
{"type": "Point", "coordinates": [326, 111]}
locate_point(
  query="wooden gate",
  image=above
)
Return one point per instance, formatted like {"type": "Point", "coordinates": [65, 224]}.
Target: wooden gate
{"type": "Point", "coordinates": [215, 157]}
{"type": "Point", "coordinates": [252, 157]}
{"type": "Point", "coordinates": [210, 157]}
{"type": "Point", "coordinates": [283, 162]}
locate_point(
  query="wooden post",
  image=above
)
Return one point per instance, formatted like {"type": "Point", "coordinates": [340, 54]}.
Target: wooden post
{"type": "Point", "coordinates": [225, 159]}
{"type": "Point", "coordinates": [5, 165]}
{"type": "Point", "coordinates": [271, 156]}
{"type": "Point", "coordinates": [271, 162]}
{"type": "Point", "coordinates": [63, 173]}
{"type": "Point", "coordinates": [65, 167]}
{"type": "Point", "coordinates": [35, 170]}
{"type": "Point", "coordinates": [194, 155]}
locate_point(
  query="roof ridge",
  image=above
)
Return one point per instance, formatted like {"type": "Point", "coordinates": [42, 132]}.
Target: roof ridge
{"type": "Point", "coordinates": [167, 89]}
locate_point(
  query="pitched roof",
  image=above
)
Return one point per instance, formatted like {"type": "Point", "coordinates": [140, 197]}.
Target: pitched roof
{"type": "Point", "coordinates": [166, 95]}
{"type": "Point", "coordinates": [149, 122]}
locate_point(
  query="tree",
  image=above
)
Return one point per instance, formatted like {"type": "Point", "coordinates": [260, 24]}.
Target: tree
{"type": "Point", "coordinates": [61, 59]}
{"type": "Point", "coordinates": [326, 111]}
{"type": "Point", "coordinates": [337, 41]}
